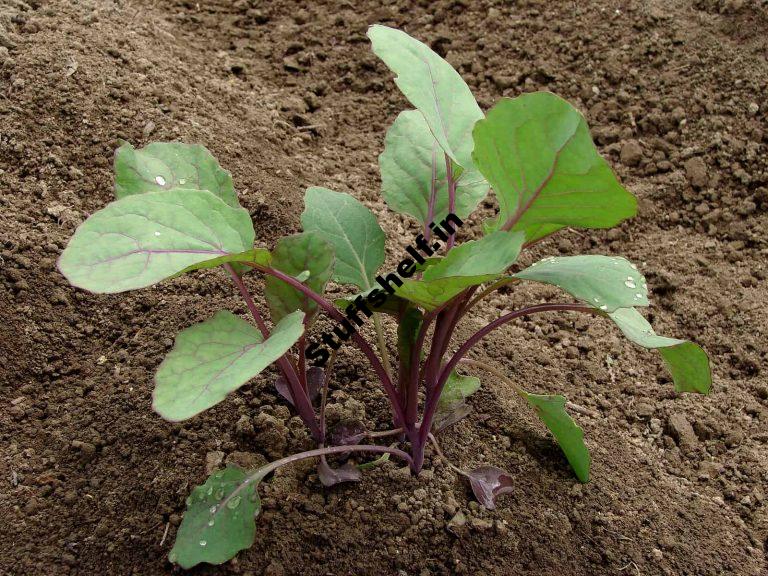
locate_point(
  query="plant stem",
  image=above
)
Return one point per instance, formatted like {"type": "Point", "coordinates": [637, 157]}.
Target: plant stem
{"type": "Point", "coordinates": [519, 391]}
{"type": "Point", "coordinates": [361, 342]}
{"type": "Point", "coordinates": [440, 453]}
{"type": "Point", "coordinates": [248, 300]}
{"type": "Point", "coordinates": [299, 396]}
{"type": "Point", "coordinates": [382, 342]}
{"type": "Point", "coordinates": [262, 472]}
{"type": "Point", "coordinates": [326, 386]}
{"type": "Point", "coordinates": [431, 406]}
{"type": "Point", "coordinates": [488, 290]}
{"type": "Point", "coordinates": [384, 433]}
{"type": "Point", "coordinates": [302, 368]}
{"type": "Point", "coordinates": [498, 373]}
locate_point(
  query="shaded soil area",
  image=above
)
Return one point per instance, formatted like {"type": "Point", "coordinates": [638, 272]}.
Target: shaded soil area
{"type": "Point", "coordinates": [288, 94]}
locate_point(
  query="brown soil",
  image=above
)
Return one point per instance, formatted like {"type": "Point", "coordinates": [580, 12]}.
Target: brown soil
{"type": "Point", "coordinates": [287, 96]}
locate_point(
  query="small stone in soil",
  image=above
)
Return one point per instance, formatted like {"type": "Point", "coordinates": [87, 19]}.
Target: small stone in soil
{"type": "Point", "coordinates": [631, 153]}
{"type": "Point", "coordinates": [681, 430]}
{"type": "Point", "coordinates": [213, 460]}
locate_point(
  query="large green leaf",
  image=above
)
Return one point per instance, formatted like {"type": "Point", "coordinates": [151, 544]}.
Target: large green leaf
{"type": "Point", "coordinates": [305, 252]}
{"type": "Point", "coordinates": [551, 410]}
{"type": "Point", "coordinates": [469, 264]}
{"type": "Point", "coordinates": [219, 521]}
{"type": "Point", "coordinates": [213, 358]}
{"type": "Point", "coordinates": [536, 152]}
{"type": "Point", "coordinates": [352, 229]}
{"type": "Point", "coordinates": [171, 166]}
{"type": "Point", "coordinates": [434, 87]}
{"type": "Point", "coordinates": [604, 282]}
{"type": "Point", "coordinates": [687, 362]}
{"type": "Point", "coordinates": [410, 155]}
{"type": "Point", "coordinates": [139, 240]}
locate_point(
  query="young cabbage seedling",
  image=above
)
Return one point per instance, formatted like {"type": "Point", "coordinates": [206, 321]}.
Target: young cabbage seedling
{"type": "Point", "coordinates": [177, 211]}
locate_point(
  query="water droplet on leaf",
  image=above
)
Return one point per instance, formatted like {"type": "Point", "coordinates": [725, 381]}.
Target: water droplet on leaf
{"type": "Point", "coordinates": [211, 522]}
{"type": "Point", "coordinates": [630, 284]}
{"type": "Point", "coordinates": [182, 181]}
{"type": "Point", "coordinates": [603, 307]}
{"type": "Point", "coordinates": [234, 503]}
{"type": "Point", "coordinates": [160, 180]}
{"type": "Point", "coordinates": [213, 509]}
{"type": "Point", "coordinates": [203, 542]}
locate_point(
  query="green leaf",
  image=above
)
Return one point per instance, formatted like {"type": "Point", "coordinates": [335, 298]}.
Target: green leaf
{"type": "Point", "coordinates": [410, 151]}
{"type": "Point", "coordinates": [434, 87]}
{"type": "Point", "coordinates": [536, 152]}
{"type": "Point", "coordinates": [551, 410]}
{"type": "Point", "coordinates": [351, 228]}
{"type": "Point", "coordinates": [301, 253]}
{"type": "Point", "coordinates": [456, 390]}
{"type": "Point", "coordinates": [374, 463]}
{"type": "Point", "coordinates": [601, 281]}
{"type": "Point", "coordinates": [166, 166]}
{"type": "Point", "coordinates": [687, 362]}
{"type": "Point", "coordinates": [469, 264]}
{"type": "Point", "coordinates": [140, 240]}
{"type": "Point", "coordinates": [213, 358]}
{"type": "Point", "coordinates": [219, 520]}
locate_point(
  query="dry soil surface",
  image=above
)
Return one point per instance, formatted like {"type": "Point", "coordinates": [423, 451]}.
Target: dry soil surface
{"type": "Point", "coordinates": [288, 94]}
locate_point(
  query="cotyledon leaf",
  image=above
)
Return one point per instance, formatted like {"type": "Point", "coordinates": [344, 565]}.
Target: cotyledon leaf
{"type": "Point", "coordinates": [434, 87]}
{"type": "Point", "coordinates": [211, 359]}
{"type": "Point", "coordinates": [604, 282]}
{"type": "Point", "coordinates": [219, 520]}
{"type": "Point", "coordinates": [457, 389]}
{"type": "Point", "coordinates": [166, 166]}
{"type": "Point", "coordinates": [687, 362]}
{"type": "Point", "coordinates": [308, 253]}
{"type": "Point", "coordinates": [410, 156]}
{"type": "Point", "coordinates": [536, 152]}
{"type": "Point", "coordinates": [352, 229]}
{"type": "Point", "coordinates": [469, 264]}
{"type": "Point", "coordinates": [142, 239]}
{"type": "Point", "coordinates": [551, 410]}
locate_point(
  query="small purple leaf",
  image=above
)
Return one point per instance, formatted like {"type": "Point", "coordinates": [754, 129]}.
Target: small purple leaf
{"type": "Point", "coordinates": [346, 434]}
{"type": "Point", "coordinates": [282, 388]}
{"type": "Point", "coordinates": [331, 476]}
{"type": "Point", "coordinates": [487, 483]}
{"type": "Point", "coordinates": [315, 379]}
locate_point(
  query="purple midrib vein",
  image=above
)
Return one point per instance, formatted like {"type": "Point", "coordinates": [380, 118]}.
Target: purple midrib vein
{"type": "Point", "coordinates": [151, 252]}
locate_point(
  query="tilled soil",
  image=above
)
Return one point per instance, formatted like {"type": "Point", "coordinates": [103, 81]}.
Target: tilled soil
{"type": "Point", "coordinates": [287, 95]}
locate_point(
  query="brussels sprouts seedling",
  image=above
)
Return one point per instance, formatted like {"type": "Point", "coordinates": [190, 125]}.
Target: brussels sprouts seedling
{"type": "Point", "coordinates": [177, 211]}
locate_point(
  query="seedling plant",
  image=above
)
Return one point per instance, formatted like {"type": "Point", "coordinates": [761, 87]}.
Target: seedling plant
{"type": "Point", "coordinates": [177, 211]}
